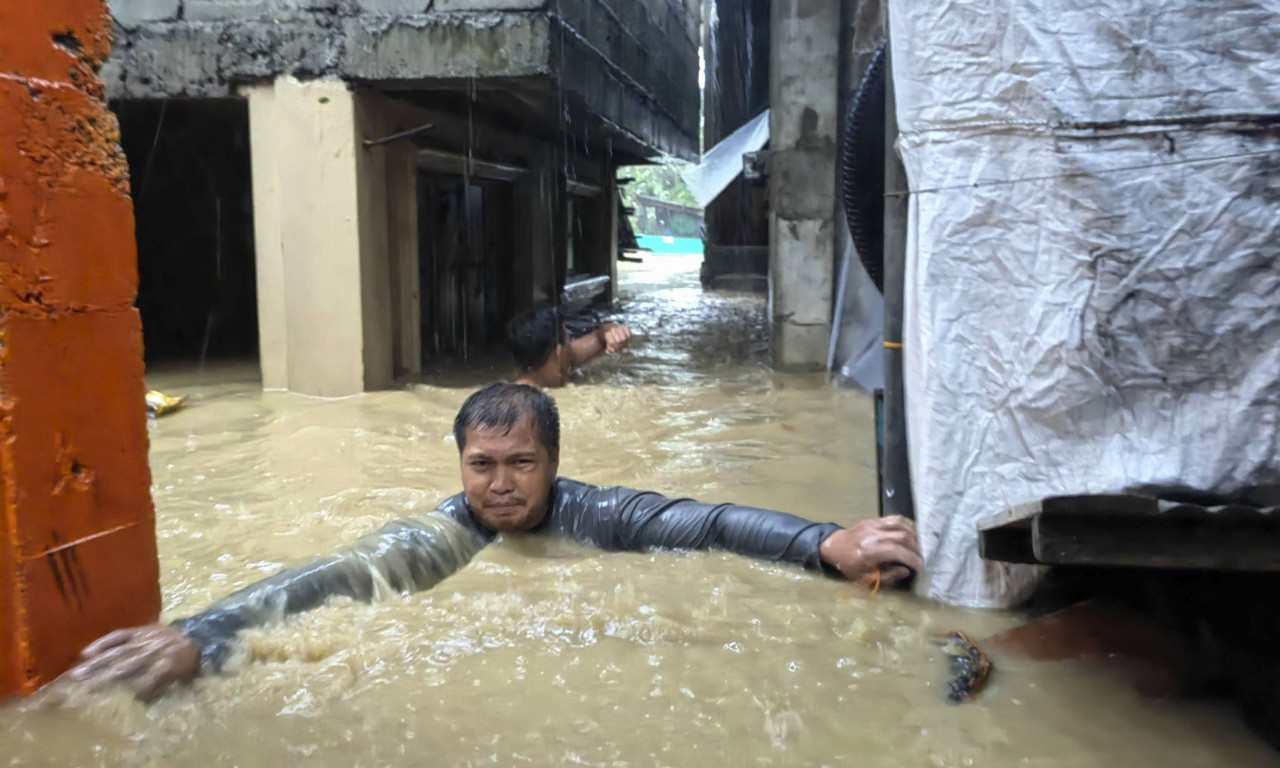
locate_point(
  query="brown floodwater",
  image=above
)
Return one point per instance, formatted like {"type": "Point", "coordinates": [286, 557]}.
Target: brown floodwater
{"type": "Point", "coordinates": [545, 653]}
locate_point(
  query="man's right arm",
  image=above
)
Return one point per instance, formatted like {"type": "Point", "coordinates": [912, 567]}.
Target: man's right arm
{"type": "Point", "coordinates": [405, 556]}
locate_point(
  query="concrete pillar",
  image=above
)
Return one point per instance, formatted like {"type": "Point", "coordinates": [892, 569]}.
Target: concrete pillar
{"type": "Point", "coordinates": [804, 47]}
{"type": "Point", "coordinates": [77, 529]}
{"type": "Point", "coordinates": [324, 278]}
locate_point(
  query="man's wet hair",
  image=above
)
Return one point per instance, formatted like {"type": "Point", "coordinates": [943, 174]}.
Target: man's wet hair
{"type": "Point", "coordinates": [534, 335]}
{"type": "Point", "coordinates": [502, 406]}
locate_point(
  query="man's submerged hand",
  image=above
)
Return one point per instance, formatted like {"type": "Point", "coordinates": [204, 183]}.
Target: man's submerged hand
{"type": "Point", "coordinates": [887, 543]}
{"type": "Point", "coordinates": [146, 660]}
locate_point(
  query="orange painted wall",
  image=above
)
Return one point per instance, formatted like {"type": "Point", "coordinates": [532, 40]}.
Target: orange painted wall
{"type": "Point", "coordinates": [77, 532]}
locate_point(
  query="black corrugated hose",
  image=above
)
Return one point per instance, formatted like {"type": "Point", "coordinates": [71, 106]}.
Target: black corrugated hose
{"type": "Point", "coordinates": [862, 168]}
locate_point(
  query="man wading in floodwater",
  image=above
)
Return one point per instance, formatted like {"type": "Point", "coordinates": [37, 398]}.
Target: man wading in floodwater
{"type": "Point", "coordinates": [509, 440]}
{"type": "Point", "coordinates": [545, 354]}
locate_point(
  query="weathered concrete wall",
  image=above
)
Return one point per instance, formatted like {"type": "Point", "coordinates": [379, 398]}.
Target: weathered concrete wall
{"type": "Point", "coordinates": [77, 534]}
{"type": "Point", "coordinates": [632, 62]}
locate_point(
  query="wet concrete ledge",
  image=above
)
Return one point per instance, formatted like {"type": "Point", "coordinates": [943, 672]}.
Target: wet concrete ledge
{"type": "Point", "coordinates": [636, 69]}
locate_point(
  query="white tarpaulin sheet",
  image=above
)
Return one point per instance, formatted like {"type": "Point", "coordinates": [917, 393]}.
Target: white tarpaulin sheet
{"type": "Point", "coordinates": [1093, 260]}
{"type": "Point", "coordinates": [723, 162]}
{"type": "Point", "coordinates": [857, 340]}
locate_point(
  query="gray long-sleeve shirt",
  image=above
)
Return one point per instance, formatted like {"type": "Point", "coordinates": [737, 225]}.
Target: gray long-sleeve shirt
{"type": "Point", "coordinates": [417, 553]}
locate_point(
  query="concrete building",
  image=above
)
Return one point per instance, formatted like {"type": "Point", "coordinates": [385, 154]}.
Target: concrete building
{"type": "Point", "coordinates": [354, 187]}
{"type": "Point", "coordinates": [803, 60]}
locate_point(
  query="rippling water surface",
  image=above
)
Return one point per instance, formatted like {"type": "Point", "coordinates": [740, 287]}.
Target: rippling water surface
{"type": "Point", "coordinates": [544, 653]}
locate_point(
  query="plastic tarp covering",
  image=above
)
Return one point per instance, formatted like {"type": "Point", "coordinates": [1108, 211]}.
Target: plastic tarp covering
{"type": "Point", "coordinates": [1093, 260]}
{"type": "Point", "coordinates": [723, 162]}
{"type": "Point", "coordinates": [857, 338]}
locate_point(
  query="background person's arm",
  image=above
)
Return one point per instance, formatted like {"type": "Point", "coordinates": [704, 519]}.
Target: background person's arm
{"type": "Point", "coordinates": [610, 337]}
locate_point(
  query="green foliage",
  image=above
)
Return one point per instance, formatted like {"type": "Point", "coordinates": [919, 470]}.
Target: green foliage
{"type": "Point", "coordinates": [660, 181]}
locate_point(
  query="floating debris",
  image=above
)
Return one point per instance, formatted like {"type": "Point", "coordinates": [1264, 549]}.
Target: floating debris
{"type": "Point", "coordinates": [970, 667]}
{"type": "Point", "coordinates": [158, 403]}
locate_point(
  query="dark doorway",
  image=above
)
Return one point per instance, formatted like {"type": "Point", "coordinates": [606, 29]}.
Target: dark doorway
{"type": "Point", "coordinates": [193, 202]}
{"type": "Point", "coordinates": [464, 229]}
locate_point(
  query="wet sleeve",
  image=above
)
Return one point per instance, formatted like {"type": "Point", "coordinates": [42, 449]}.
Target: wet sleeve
{"type": "Point", "coordinates": [626, 519]}
{"type": "Point", "coordinates": [406, 556]}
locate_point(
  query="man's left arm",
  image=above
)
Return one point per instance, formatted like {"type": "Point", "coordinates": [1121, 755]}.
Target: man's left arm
{"type": "Point", "coordinates": [634, 520]}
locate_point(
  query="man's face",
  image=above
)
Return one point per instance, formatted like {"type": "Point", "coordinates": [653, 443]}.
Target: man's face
{"type": "Point", "coordinates": [507, 477]}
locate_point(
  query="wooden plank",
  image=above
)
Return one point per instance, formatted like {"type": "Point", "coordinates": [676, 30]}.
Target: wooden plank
{"type": "Point", "coordinates": [1101, 504]}
{"type": "Point", "coordinates": [1019, 515]}
{"type": "Point", "coordinates": [1011, 544]}
{"type": "Point", "coordinates": [1153, 542]}
{"type": "Point", "coordinates": [403, 235]}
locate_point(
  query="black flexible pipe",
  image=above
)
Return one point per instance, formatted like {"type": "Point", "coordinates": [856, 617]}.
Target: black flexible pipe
{"type": "Point", "coordinates": [895, 469]}
{"type": "Point", "coordinates": [862, 168]}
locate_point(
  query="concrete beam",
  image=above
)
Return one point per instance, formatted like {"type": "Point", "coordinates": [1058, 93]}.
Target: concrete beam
{"type": "Point", "coordinates": [393, 7]}
{"type": "Point", "coordinates": [455, 45]}
{"type": "Point", "coordinates": [488, 5]}
{"type": "Point", "coordinates": [129, 13]}
{"type": "Point", "coordinates": [217, 10]}
{"type": "Point", "coordinates": [211, 59]}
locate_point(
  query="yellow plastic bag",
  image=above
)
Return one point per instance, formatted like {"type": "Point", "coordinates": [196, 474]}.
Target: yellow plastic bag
{"type": "Point", "coordinates": [158, 403]}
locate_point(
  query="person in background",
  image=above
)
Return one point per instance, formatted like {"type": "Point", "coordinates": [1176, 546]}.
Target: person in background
{"type": "Point", "coordinates": [544, 354]}
{"type": "Point", "coordinates": [508, 438]}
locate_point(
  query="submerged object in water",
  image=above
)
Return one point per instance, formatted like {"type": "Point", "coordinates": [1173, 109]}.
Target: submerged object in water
{"type": "Point", "coordinates": [158, 403]}
{"type": "Point", "coordinates": [970, 667]}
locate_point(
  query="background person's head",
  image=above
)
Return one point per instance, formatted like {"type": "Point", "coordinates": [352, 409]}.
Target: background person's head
{"type": "Point", "coordinates": [540, 345]}
{"type": "Point", "coordinates": [508, 439]}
